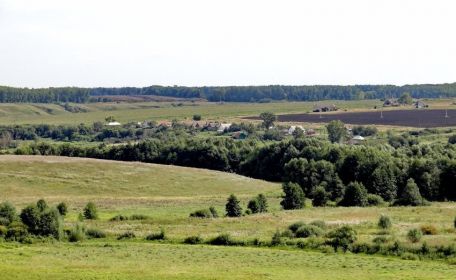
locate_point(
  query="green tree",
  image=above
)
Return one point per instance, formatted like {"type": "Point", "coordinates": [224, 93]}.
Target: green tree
{"type": "Point", "coordinates": [384, 222]}
{"type": "Point", "coordinates": [320, 197]}
{"type": "Point", "coordinates": [268, 119]}
{"type": "Point", "coordinates": [232, 207]}
{"type": "Point", "coordinates": [196, 117]}
{"type": "Point", "coordinates": [406, 98]}
{"type": "Point", "coordinates": [90, 211]}
{"type": "Point", "coordinates": [294, 196]}
{"type": "Point", "coordinates": [336, 131]}
{"type": "Point", "coordinates": [342, 238]}
{"type": "Point", "coordinates": [355, 195]}
{"type": "Point", "coordinates": [262, 203]}
{"type": "Point", "coordinates": [7, 213]}
{"type": "Point", "coordinates": [62, 208]}
{"type": "Point", "coordinates": [410, 195]}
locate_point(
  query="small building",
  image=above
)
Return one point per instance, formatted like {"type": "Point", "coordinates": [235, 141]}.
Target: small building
{"type": "Point", "coordinates": [113, 124]}
{"type": "Point", "coordinates": [211, 126]}
{"type": "Point", "coordinates": [325, 108]}
{"type": "Point", "coordinates": [223, 127]}
{"type": "Point", "coordinates": [293, 128]}
{"type": "Point", "coordinates": [311, 132]}
{"type": "Point", "coordinates": [240, 135]}
{"type": "Point", "coordinates": [165, 124]}
{"type": "Point", "coordinates": [356, 140]}
{"type": "Point", "coordinates": [391, 103]}
{"type": "Point", "coordinates": [420, 104]}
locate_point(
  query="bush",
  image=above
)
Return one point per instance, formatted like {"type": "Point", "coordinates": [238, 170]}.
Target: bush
{"type": "Point", "coordinates": [17, 231]}
{"type": "Point", "coordinates": [62, 208]}
{"type": "Point", "coordinates": [320, 224]}
{"type": "Point", "coordinates": [126, 235]}
{"type": "Point", "coordinates": [355, 195]}
{"type": "Point", "coordinates": [193, 240]}
{"type": "Point", "coordinates": [414, 235]}
{"type": "Point", "coordinates": [7, 213]}
{"type": "Point", "coordinates": [41, 204]}
{"type": "Point", "coordinates": [232, 207]}
{"type": "Point", "coordinates": [428, 230]}
{"type": "Point", "coordinates": [309, 231]}
{"type": "Point", "coordinates": [42, 221]}
{"type": "Point", "coordinates": [3, 231]}
{"type": "Point", "coordinates": [157, 236]}
{"type": "Point", "coordinates": [118, 218]}
{"type": "Point", "coordinates": [223, 239]}
{"type": "Point", "coordinates": [77, 234]}
{"type": "Point", "coordinates": [320, 197]}
{"type": "Point", "coordinates": [411, 195]}
{"type": "Point", "coordinates": [95, 233]}
{"type": "Point", "coordinates": [295, 226]}
{"type": "Point", "coordinates": [276, 239]}
{"type": "Point", "coordinates": [196, 117]}
{"type": "Point", "coordinates": [454, 222]}
{"type": "Point", "coordinates": [293, 198]}
{"type": "Point", "coordinates": [380, 240]}
{"type": "Point", "coordinates": [90, 211]}
{"type": "Point", "coordinates": [342, 237]}
{"type": "Point", "coordinates": [214, 212]}
{"type": "Point", "coordinates": [138, 217]}
{"type": "Point", "coordinates": [253, 206]}
{"type": "Point", "coordinates": [452, 139]}
{"type": "Point", "coordinates": [258, 205]}
{"type": "Point", "coordinates": [384, 222]}
{"type": "Point", "coordinates": [375, 200]}
{"type": "Point", "coordinates": [203, 213]}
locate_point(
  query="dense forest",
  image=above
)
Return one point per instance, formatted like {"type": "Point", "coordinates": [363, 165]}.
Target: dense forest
{"type": "Point", "coordinates": [229, 93]}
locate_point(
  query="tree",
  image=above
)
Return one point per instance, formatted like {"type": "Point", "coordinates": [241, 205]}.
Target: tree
{"type": "Point", "coordinates": [262, 203]}
{"type": "Point", "coordinates": [336, 131]}
{"type": "Point", "coordinates": [294, 196]}
{"type": "Point", "coordinates": [253, 206]}
{"type": "Point", "coordinates": [268, 119]}
{"type": "Point", "coordinates": [62, 208]}
{"type": "Point", "coordinates": [411, 195]}
{"type": "Point", "coordinates": [110, 119]}
{"type": "Point", "coordinates": [384, 222]}
{"type": "Point", "coordinates": [342, 238]}
{"type": "Point", "coordinates": [41, 204]}
{"type": "Point", "coordinates": [355, 195]}
{"type": "Point", "coordinates": [196, 117]}
{"type": "Point", "coordinates": [406, 98]}
{"type": "Point", "coordinates": [320, 197]}
{"type": "Point", "coordinates": [90, 211]}
{"type": "Point", "coordinates": [452, 139]}
{"type": "Point", "coordinates": [7, 213]}
{"type": "Point", "coordinates": [232, 207]}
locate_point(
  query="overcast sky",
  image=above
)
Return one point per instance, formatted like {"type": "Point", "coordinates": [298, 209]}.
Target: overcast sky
{"type": "Point", "coordinates": [226, 42]}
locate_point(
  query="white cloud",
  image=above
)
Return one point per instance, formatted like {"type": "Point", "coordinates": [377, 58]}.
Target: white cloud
{"type": "Point", "coordinates": [204, 42]}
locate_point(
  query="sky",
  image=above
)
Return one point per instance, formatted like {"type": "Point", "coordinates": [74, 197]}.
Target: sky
{"type": "Point", "coordinates": [114, 43]}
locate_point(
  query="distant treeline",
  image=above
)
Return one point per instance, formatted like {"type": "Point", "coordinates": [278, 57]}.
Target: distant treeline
{"type": "Point", "coordinates": [229, 93]}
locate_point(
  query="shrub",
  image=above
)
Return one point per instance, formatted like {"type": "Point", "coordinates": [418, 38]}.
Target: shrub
{"type": "Point", "coordinates": [157, 236]}
{"type": "Point", "coordinates": [320, 224]}
{"type": "Point", "coordinates": [276, 239]}
{"type": "Point", "coordinates": [232, 207]}
{"type": "Point", "coordinates": [287, 233]}
{"type": "Point", "coordinates": [414, 235]}
{"type": "Point", "coordinates": [95, 233]}
{"type": "Point", "coordinates": [355, 195]}
{"type": "Point", "coordinates": [213, 212]}
{"type": "Point", "coordinates": [309, 231]}
{"type": "Point", "coordinates": [90, 211]}
{"type": "Point", "coordinates": [77, 234]}
{"type": "Point", "coordinates": [263, 203]}
{"type": "Point", "coordinates": [138, 217]}
{"type": "Point", "coordinates": [17, 231]}
{"type": "Point", "coordinates": [126, 235]}
{"type": "Point", "coordinates": [196, 117]}
{"type": "Point", "coordinates": [294, 196]}
{"type": "Point", "coordinates": [374, 200]}
{"type": "Point", "coordinates": [380, 240]}
{"type": "Point", "coordinates": [454, 222]}
{"type": "Point", "coordinates": [193, 240]}
{"type": "Point", "coordinates": [30, 216]}
{"type": "Point", "coordinates": [7, 213]}
{"type": "Point", "coordinates": [41, 204]}
{"type": "Point", "coordinates": [118, 218]}
{"type": "Point", "coordinates": [3, 230]}
{"type": "Point", "coordinates": [203, 213]}
{"type": "Point", "coordinates": [253, 206]}
{"type": "Point", "coordinates": [51, 223]}
{"type": "Point", "coordinates": [342, 237]}
{"type": "Point", "coordinates": [294, 226]}
{"type": "Point", "coordinates": [384, 222]}
{"type": "Point", "coordinates": [452, 139]}
{"type": "Point", "coordinates": [320, 197]}
{"type": "Point", "coordinates": [411, 195]}
{"type": "Point", "coordinates": [62, 208]}
{"type": "Point", "coordinates": [223, 239]}
{"type": "Point", "coordinates": [428, 230]}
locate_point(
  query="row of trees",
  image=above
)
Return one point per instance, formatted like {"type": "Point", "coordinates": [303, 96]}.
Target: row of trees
{"type": "Point", "coordinates": [231, 93]}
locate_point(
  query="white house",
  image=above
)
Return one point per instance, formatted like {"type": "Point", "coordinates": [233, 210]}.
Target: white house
{"type": "Point", "coordinates": [223, 126]}
{"type": "Point", "coordinates": [113, 124]}
{"type": "Point", "coordinates": [293, 129]}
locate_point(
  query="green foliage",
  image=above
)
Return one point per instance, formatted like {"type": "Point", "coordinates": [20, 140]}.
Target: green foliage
{"type": "Point", "coordinates": [452, 139]}
{"type": "Point", "coordinates": [223, 239]}
{"type": "Point", "coordinates": [196, 117]}
{"type": "Point", "coordinates": [17, 231]}
{"type": "Point", "coordinates": [320, 197]}
{"type": "Point", "coordinates": [193, 240]}
{"type": "Point", "coordinates": [336, 131]}
{"type": "Point", "coordinates": [268, 119]}
{"type": "Point", "coordinates": [342, 237]}
{"type": "Point", "coordinates": [374, 200]}
{"type": "Point", "coordinates": [126, 235]}
{"type": "Point", "coordinates": [384, 222]}
{"type": "Point", "coordinates": [7, 213]}
{"type": "Point", "coordinates": [203, 213]}
{"type": "Point", "coordinates": [276, 239]}
{"type": "Point", "coordinates": [414, 235]}
{"type": "Point", "coordinates": [118, 218]}
{"type": "Point", "coordinates": [355, 195]}
{"type": "Point", "coordinates": [405, 98]}
{"type": "Point", "coordinates": [232, 207]}
{"type": "Point", "coordinates": [138, 217]}
{"type": "Point", "coordinates": [42, 220]}
{"type": "Point", "coordinates": [320, 224]}
{"type": "Point", "coordinates": [62, 208]}
{"type": "Point", "coordinates": [309, 231]}
{"type": "Point", "coordinates": [295, 226]}
{"type": "Point", "coordinates": [77, 234]}
{"type": "Point", "coordinates": [293, 197]}
{"type": "Point", "coordinates": [364, 130]}
{"type": "Point", "coordinates": [428, 229]}
{"type": "Point", "coordinates": [258, 205]}
{"type": "Point", "coordinates": [411, 195]}
{"type": "Point", "coordinates": [95, 233]}
{"type": "Point", "coordinates": [90, 211]}
{"type": "Point", "coordinates": [41, 204]}
{"type": "Point", "coordinates": [157, 236]}
{"type": "Point", "coordinates": [213, 212]}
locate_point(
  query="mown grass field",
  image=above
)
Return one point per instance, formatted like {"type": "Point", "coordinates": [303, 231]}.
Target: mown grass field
{"type": "Point", "coordinates": [167, 194]}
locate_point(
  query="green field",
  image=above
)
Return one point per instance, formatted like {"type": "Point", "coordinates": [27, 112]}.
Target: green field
{"type": "Point", "coordinates": [167, 194]}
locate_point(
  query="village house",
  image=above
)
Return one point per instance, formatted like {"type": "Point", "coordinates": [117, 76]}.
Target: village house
{"type": "Point", "coordinates": [293, 129]}
{"type": "Point", "coordinates": [391, 103]}
{"type": "Point", "coordinates": [113, 124]}
{"type": "Point", "coordinates": [420, 104]}
{"type": "Point", "coordinates": [223, 127]}
{"type": "Point", "coordinates": [324, 108]}
{"type": "Point", "coordinates": [211, 126]}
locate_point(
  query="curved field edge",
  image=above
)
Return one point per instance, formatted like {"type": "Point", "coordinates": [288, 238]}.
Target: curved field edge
{"type": "Point", "coordinates": [165, 261]}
